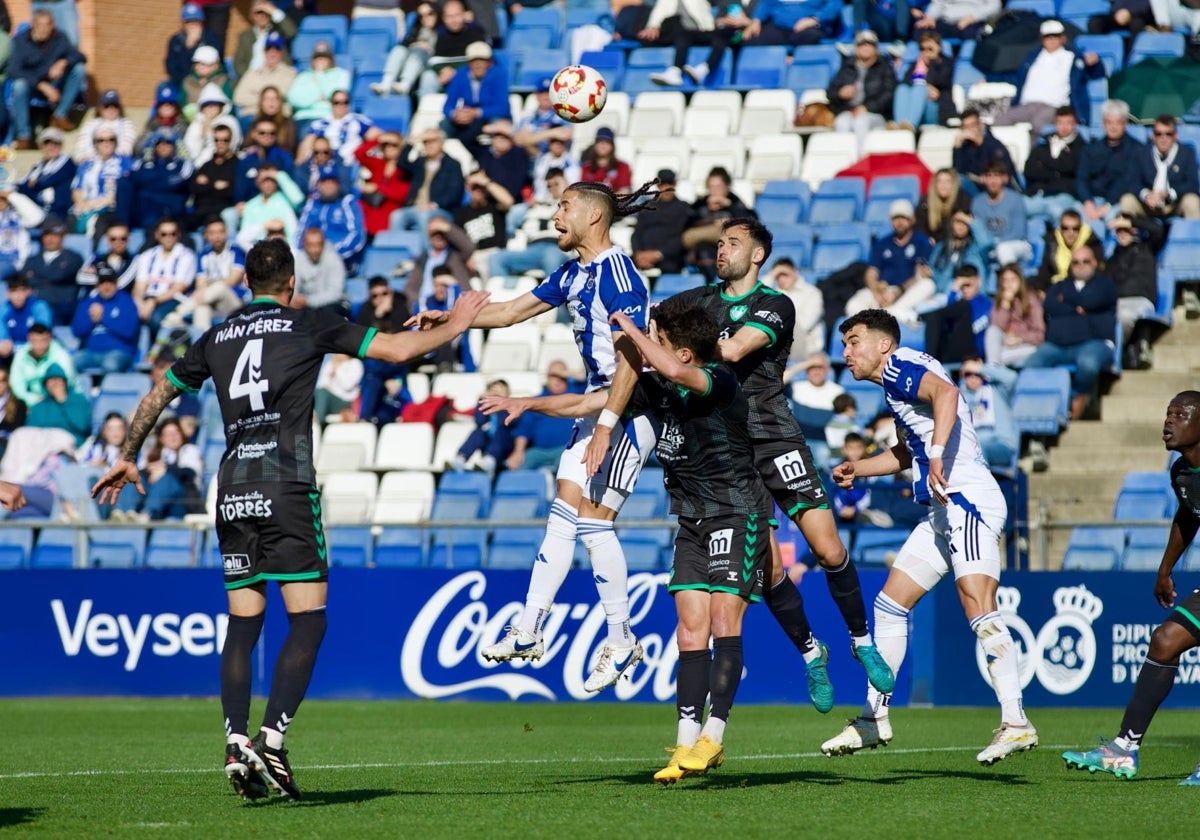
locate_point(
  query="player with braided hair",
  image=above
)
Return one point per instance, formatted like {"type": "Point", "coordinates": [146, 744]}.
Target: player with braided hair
{"type": "Point", "coordinates": [601, 281]}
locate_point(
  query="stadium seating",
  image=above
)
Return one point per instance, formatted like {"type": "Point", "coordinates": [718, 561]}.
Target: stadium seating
{"type": "Point", "coordinates": [450, 437]}
{"type": "Point", "coordinates": [1155, 45]}
{"type": "Point", "coordinates": [1145, 549]}
{"type": "Point", "coordinates": [16, 545]}
{"type": "Point", "coordinates": [347, 498]}
{"type": "Point", "coordinates": [760, 68]}
{"type": "Point", "coordinates": [773, 157]}
{"type": "Point", "coordinates": [514, 548]}
{"type": "Point", "coordinates": [114, 547]}
{"type": "Point", "coordinates": [1041, 400]}
{"type": "Point", "coordinates": [646, 549]}
{"type": "Point", "coordinates": [400, 547]}
{"type": "Point", "coordinates": [1094, 549]}
{"type": "Point", "coordinates": [346, 446]}
{"type": "Point", "coordinates": [349, 545]}
{"type": "Point", "coordinates": [172, 548]}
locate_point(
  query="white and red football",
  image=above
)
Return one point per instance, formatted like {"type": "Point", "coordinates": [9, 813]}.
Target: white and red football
{"type": "Point", "coordinates": [578, 93]}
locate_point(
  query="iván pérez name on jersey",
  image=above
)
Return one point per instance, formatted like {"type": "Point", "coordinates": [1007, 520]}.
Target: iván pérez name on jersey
{"type": "Point", "coordinates": [258, 326]}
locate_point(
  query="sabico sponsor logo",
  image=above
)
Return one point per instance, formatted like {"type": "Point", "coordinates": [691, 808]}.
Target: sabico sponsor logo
{"type": "Point", "coordinates": [251, 505]}
{"type": "Point", "coordinates": [107, 635]}
{"type": "Point", "coordinates": [254, 451]}
{"type": "Point", "coordinates": [455, 625]}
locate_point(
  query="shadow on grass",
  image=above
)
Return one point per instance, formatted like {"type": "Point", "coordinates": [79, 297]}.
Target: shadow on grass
{"type": "Point", "coordinates": [19, 816]}
{"type": "Point", "coordinates": [330, 797]}
{"type": "Point", "coordinates": [721, 780]}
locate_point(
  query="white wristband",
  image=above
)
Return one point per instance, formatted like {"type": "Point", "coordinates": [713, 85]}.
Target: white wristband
{"type": "Point", "coordinates": [608, 419]}
{"type": "Point", "coordinates": [936, 451]}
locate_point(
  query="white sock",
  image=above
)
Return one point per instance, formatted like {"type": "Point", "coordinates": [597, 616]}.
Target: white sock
{"type": "Point", "coordinates": [551, 567]}
{"type": "Point", "coordinates": [714, 728]}
{"type": "Point", "coordinates": [688, 732]}
{"type": "Point", "coordinates": [1002, 666]}
{"type": "Point", "coordinates": [611, 576]}
{"type": "Point", "coordinates": [862, 641]}
{"type": "Point", "coordinates": [1126, 745]}
{"type": "Point", "coordinates": [813, 652]}
{"type": "Point", "coordinates": [273, 737]}
{"type": "Point", "coordinates": [240, 740]}
{"type": "Point", "coordinates": [891, 637]}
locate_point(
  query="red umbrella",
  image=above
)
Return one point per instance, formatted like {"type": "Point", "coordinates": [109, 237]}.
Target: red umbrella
{"type": "Point", "coordinates": [893, 163]}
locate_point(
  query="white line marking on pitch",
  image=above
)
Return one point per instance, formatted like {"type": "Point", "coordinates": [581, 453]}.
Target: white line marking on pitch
{"type": "Point", "coordinates": [884, 751]}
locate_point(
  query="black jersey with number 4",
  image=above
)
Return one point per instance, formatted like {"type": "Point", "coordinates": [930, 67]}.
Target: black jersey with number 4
{"type": "Point", "coordinates": [760, 372]}
{"type": "Point", "coordinates": [264, 362]}
{"type": "Point", "coordinates": [1186, 483]}
{"type": "Point", "coordinates": [704, 445]}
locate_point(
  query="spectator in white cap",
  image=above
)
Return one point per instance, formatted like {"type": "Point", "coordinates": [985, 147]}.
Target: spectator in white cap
{"type": "Point", "coordinates": [109, 114]}
{"type": "Point", "coordinates": [265, 18]}
{"type": "Point", "coordinates": [213, 105]}
{"type": "Point", "coordinates": [48, 182]}
{"type": "Point", "coordinates": [311, 92]}
{"type": "Point", "coordinates": [862, 91]}
{"type": "Point", "coordinates": [1051, 77]}
{"type": "Point", "coordinates": [476, 96]}
{"type": "Point", "coordinates": [207, 69]}
{"type": "Point", "coordinates": [898, 277]}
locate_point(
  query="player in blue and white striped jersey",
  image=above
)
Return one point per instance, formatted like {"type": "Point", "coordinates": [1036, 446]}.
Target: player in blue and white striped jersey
{"type": "Point", "coordinates": [601, 281]}
{"type": "Point", "coordinates": [961, 534]}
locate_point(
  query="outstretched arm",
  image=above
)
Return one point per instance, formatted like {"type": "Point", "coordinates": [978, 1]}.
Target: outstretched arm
{"type": "Point", "coordinates": [398, 348]}
{"type": "Point", "coordinates": [885, 463]}
{"type": "Point", "coordinates": [492, 316]}
{"type": "Point", "coordinates": [125, 471]}
{"type": "Point", "coordinates": [629, 362]}
{"type": "Point", "coordinates": [556, 405]}
{"type": "Point", "coordinates": [658, 357]}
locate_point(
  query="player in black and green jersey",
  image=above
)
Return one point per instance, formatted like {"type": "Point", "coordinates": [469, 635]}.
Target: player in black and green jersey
{"type": "Point", "coordinates": [264, 361]}
{"type": "Point", "coordinates": [756, 337]}
{"type": "Point", "coordinates": [1181, 630]}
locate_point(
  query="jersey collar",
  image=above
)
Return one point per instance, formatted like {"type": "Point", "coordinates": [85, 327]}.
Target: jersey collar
{"type": "Point", "coordinates": [757, 286]}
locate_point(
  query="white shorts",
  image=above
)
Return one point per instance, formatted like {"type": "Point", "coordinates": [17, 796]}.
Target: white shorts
{"type": "Point", "coordinates": [963, 536]}
{"type": "Point", "coordinates": [632, 442]}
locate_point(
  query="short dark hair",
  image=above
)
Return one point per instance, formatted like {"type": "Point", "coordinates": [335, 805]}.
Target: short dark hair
{"type": "Point", "coordinates": [722, 173]}
{"type": "Point", "coordinates": [269, 266]}
{"type": "Point", "coordinates": [843, 401]}
{"type": "Point", "coordinates": [555, 172]}
{"type": "Point", "coordinates": [113, 415]}
{"type": "Point", "coordinates": [1065, 111]}
{"type": "Point", "coordinates": [966, 270]}
{"type": "Point", "coordinates": [1070, 214]}
{"type": "Point", "coordinates": [786, 262]}
{"type": "Point", "coordinates": [39, 329]}
{"type": "Point", "coordinates": [995, 166]}
{"type": "Point", "coordinates": [688, 325]}
{"type": "Point", "coordinates": [969, 112]}
{"type": "Point", "coordinates": [1165, 119]}
{"type": "Point", "coordinates": [211, 219]}
{"type": "Point", "coordinates": [1188, 397]}
{"type": "Point", "coordinates": [757, 230]}
{"type": "Point", "coordinates": [853, 437]}
{"type": "Point", "coordinates": [875, 320]}
{"type": "Point", "coordinates": [377, 281]}
{"type": "Point", "coordinates": [442, 270]}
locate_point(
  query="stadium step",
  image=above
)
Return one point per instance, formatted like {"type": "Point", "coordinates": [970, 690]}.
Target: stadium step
{"type": "Point", "coordinates": [1157, 384]}
{"type": "Point", "coordinates": [1093, 460]}
{"type": "Point", "coordinates": [1111, 433]}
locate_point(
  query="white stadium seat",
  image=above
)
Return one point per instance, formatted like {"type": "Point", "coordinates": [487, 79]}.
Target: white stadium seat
{"type": "Point", "coordinates": [404, 446]}
{"type": "Point", "coordinates": [450, 438]}
{"type": "Point", "coordinates": [649, 109]}
{"type": "Point", "coordinates": [935, 147]}
{"type": "Point", "coordinates": [1016, 140]}
{"type": "Point", "coordinates": [615, 116]}
{"type": "Point", "coordinates": [347, 498]}
{"type": "Point", "coordinates": [773, 157]}
{"type": "Point", "coordinates": [346, 446]}
{"type": "Point", "coordinates": [767, 112]}
{"type": "Point", "coordinates": [464, 389]}
{"type": "Point", "coordinates": [828, 153]}
{"type": "Point", "coordinates": [729, 101]}
{"type": "Point", "coordinates": [883, 141]}
{"type": "Point", "coordinates": [404, 497]}
{"type": "Point", "coordinates": [418, 386]}
{"type": "Point", "coordinates": [648, 165]}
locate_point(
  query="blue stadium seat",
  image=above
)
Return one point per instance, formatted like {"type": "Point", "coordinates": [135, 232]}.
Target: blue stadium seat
{"type": "Point", "coordinates": [1146, 503]}
{"type": "Point", "coordinates": [536, 484]}
{"type": "Point", "coordinates": [856, 233]}
{"type": "Point", "coordinates": [912, 337]}
{"type": "Point", "coordinates": [1183, 230]}
{"type": "Point", "coordinates": [1145, 549]}
{"type": "Point", "coordinates": [55, 549]}
{"type": "Point", "coordinates": [457, 485]}
{"type": "Point", "coordinates": [458, 548]}
{"type": "Point", "coordinates": [794, 241]}
{"type": "Point", "coordinates": [832, 210]}
{"type": "Point", "coordinates": [891, 187]}
{"type": "Point", "coordinates": [802, 77]}
{"type": "Point", "coordinates": [16, 544]}
{"type": "Point", "coordinates": [1179, 262]}
{"type": "Point", "coordinates": [1041, 8]}
{"type": "Point", "coordinates": [1041, 400]}
{"type": "Point", "coordinates": [650, 58]}
{"type": "Point", "coordinates": [516, 508]}
{"type": "Point", "coordinates": [760, 68]}
{"type": "Point", "coordinates": [301, 48]}
{"type": "Point", "coordinates": [514, 548]}
{"type": "Point", "coordinates": [360, 89]}
{"type": "Point", "coordinates": [349, 545]}
{"type": "Point", "coordinates": [872, 545]}
{"type": "Point", "coordinates": [114, 547]}
{"type": "Point", "coordinates": [1110, 48]}
{"type": "Point", "coordinates": [781, 209]}
{"type": "Point", "coordinates": [382, 260]}
{"type": "Point", "coordinates": [724, 72]}
{"type": "Point", "coordinates": [1156, 44]}
{"type": "Point", "coordinates": [390, 113]}
{"type": "Point", "coordinates": [126, 383]}
{"type": "Point", "coordinates": [369, 52]}
{"type": "Point", "coordinates": [373, 23]}
{"type": "Point", "coordinates": [541, 27]}
{"type": "Point", "coordinates": [588, 17]}
{"type": "Point", "coordinates": [868, 397]}
{"type": "Point", "coordinates": [646, 549]}
{"type": "Point", "coordinates": [649, 498]}
{"type": "Point", "coordinates": [74, 484]}
{"type": "Point", "coordinates": [536, 66]}
{"type": "Point", "coordinates": [818, 55]}
{"type": "Point", "coordinates": [672, 284]}
{"type": "Point", "coordinates": [1095, 549]}
{"type": "Point", "coordinates": [850, 187]}
{"type": "Point", "coordinates": [608, 63]}
{"type": "Point", "coordinates": [966, 74]}
{"type": "Point", "coordinates": [331, 28]}
{"type": "Point", "coordinates": [172, 548]}
{"type": "Point", "coordinates": [829, 257]}
{"type": "Point", "coordinates": [401, 547]}
{"type": "Point", "coordinates": [1147, 480]}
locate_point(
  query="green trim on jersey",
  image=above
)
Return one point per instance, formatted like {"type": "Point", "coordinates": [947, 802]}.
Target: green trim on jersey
{"type": "Point", "coordinates": [708, 376]}
{"type": "Point", "coordinates": [175, 381]}
{"type": "Point", "coordinates": [1195, 621]}
{"type": "Point", "coordinates": [284, 577]}
{"type": "Point", "coordinates": [265, 300]}
{"type": "Point", "coordinates": [764, 328]}
{"type": "Point", "coordinates": [362, 348]}
{"type": "Point", "coordinates": [724, 296]}
{"type": "Point", "coordinates": [314, 503]}
{"type": "Point", "coordinates": [796, 508]}
{"type": "Point", "coordinates": [748, 553]}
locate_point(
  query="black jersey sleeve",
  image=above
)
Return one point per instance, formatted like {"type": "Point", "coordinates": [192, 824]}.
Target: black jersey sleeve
{"type": "Point", "coordinates": [722, 385]}
{"type": "Point", "coordinates": [1185, 515]}
{"type": "Point", "coordinates": [648, 396]}
{"type": "Point", "coordinates": [189, 373]}
{"type": "Point", "coordinates": [773, 314]}
{"type": "Point", "coordinates": [334, 334]}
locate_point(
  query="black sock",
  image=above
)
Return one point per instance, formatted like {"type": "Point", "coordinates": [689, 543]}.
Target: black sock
{"type": "Point", "coordinates": [240, 639]}
{"type": "Point", "coordinates": [1153, 685]}
{"type": "Point", "coordinates": [787, 606]}
{"type": "Point", "coordinates": [294, 667]}
{"type": "Point", "coordinates": [847, 594]}
{"type": "Point", "coordinates": [691, 684]}
{"type": "Point", "coordinates": [725, 676]}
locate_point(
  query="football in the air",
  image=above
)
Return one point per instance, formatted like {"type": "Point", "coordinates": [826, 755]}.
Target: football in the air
{"type": "Point", "coordinates": [578, 93]}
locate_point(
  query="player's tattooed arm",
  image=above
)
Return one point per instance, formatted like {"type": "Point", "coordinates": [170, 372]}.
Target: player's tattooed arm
{"type": "Point", "coordinates": [146, 416]}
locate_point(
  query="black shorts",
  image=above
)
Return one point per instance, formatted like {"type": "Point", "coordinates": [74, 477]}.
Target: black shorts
{"type": "Point", "coordinates": [791, 477]}
{"type": "Point", "coordinates": [271, 532]}
{"type": "Point", "coordinates": [1187, 613]}
{"type": "Point", "coordinates": [722, 554]}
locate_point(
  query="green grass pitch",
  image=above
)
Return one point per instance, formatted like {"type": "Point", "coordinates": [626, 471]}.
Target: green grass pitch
{"type": "Point", "coordinates": [152, 768]}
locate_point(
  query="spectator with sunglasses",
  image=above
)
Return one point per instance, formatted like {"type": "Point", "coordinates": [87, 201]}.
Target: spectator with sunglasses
{"type": "Point", "coordinates": [344, 129]}
{"type": "Point", "coordinates": [48, 182]}
{"type": "Point", "coordinates": [262, 148]}
{"type": "Point", "coordinates": [94, 190]}
{"type": "Point", "coordinates": [312, 93]}
{"type": "Point", "coordinates": [385, 183]}
{"type": "Point", "coordinates": [321, 158]}
{"type": "Point", "coordinates": [1167, 177]}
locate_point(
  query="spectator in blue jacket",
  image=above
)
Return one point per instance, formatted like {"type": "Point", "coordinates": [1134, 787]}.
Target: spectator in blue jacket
{"type": "Point", "coordinates": [48, 182]}
{"type": "Point", "coordinates": [1107, 168]}
{"type": "Point", "coordinates": [261, 147]}
{"type": "Point", "coordinates": [339, 216]}
{"type": "Point", "coordinates": [437, 184]}
{"type": "Point", "coordinates": [794, 22]}
{"type": "Point", "coordinates": [43, 62]}
{"type": "Point", "coordinates": [1052, 76]}
{"type": "Point", "coordinates": [183, 43]}
{"type": "Point", "coordinates": [106, 323]}
{"type": "Point", "coordinates": [967, 244]}
{"type": "Point", "coordinates": [987, 390]}
{"type": "Point", "coordinates": [1167, 176]}
{"type": "Point", "coordinates": [157, 186]}
{"type": "Point", "coordinates": [477, 95]}
{"type": "Point", "coordinates": [20, 311]}
{"type": "Point", "coordinates": [1081, 325]}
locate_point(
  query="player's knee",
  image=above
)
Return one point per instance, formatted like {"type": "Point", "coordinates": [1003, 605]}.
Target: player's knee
{"type": "Point", "coordinates": [1168, 642]}
{"type": "Point", "coordinates": [594, 533]}
{"type": "Point", "coordinates": [310, 623]}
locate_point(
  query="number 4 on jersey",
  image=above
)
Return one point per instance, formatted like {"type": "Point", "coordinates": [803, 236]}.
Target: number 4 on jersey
{"type": "Point", "coordinates": [247, 376]}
